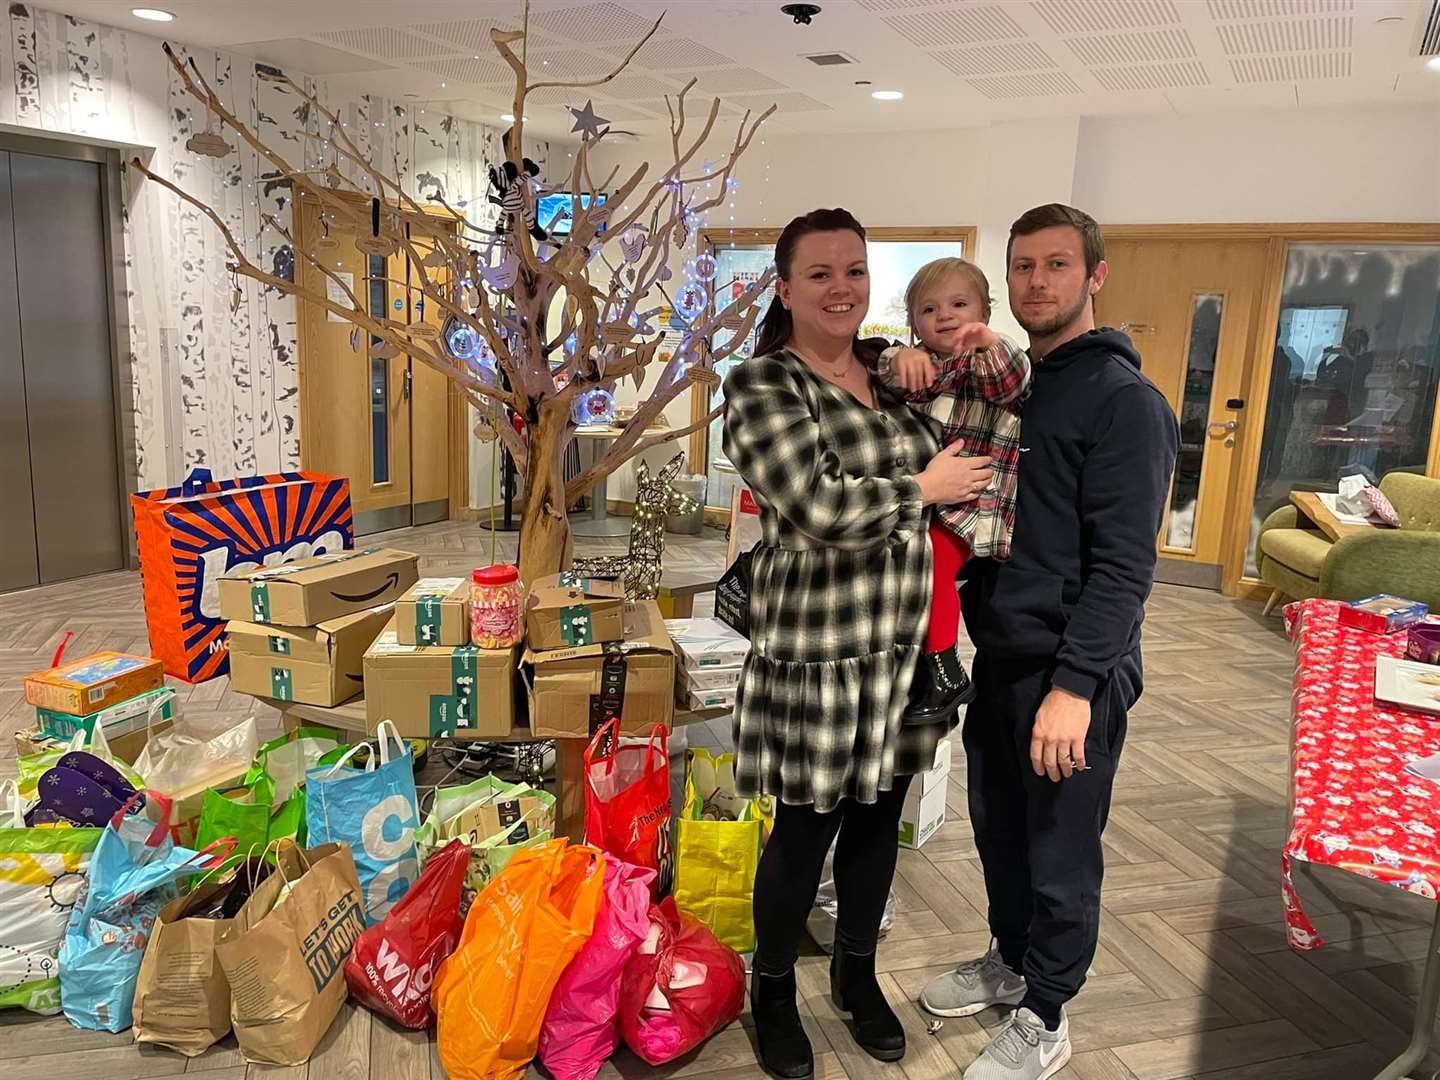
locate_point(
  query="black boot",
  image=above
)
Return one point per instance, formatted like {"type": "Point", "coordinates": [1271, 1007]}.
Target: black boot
{"type": "Point", "coordinates": [854, 989]}
{"type": "Point", "coordinates": [940, 687]}
{"type": "Point", "coordinates": [784, 1047]}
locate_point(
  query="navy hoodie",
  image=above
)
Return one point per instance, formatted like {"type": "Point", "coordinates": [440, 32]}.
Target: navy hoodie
{"type": "Point", "coordinates": [1098, 446]}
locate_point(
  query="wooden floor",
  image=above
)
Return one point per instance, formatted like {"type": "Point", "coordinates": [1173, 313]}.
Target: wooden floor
{"type": "Point", "coordinates": [1193, 977]}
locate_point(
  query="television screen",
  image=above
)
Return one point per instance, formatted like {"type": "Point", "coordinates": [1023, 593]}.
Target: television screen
{"type": "Point", "coordinates": [553, 211]}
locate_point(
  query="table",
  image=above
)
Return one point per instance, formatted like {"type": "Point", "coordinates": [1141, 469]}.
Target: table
{"type": "Point", "coordinates": [569, 753]}
{"type": "Point", "coordinates": [679, 589]}
{"type": "Point", "coordinates": [1353, 806]}
{"type": "Point", "coordinates": [599, 521]}
{"type": "Point", "coordinates": [1310, 506]}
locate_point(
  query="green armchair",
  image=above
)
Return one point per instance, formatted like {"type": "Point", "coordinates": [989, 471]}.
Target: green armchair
{"type": "Point", "coordinates": [1301, 563]}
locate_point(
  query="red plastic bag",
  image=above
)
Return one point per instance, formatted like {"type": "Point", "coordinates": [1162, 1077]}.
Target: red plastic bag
{"type": "Point", "coordinates": [627, 802]}
{"type": "Point", "coordinates": [680, 987]}
{"type": "Point", "coordinates": [395, 961]}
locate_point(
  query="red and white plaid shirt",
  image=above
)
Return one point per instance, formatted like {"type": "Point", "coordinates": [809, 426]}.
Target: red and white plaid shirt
{"type": "Point", "coordinates": [976, 398]}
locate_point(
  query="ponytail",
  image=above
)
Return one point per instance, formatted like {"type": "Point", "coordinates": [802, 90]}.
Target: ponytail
{"type": "Point", "coordinates": [775, 329]}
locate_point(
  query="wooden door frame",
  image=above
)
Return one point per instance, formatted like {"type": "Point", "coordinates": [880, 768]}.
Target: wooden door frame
{"type": "Point", "coordinates": [1265, 328]}
{"type": "Point", "coordinates": [698, 455]}
{"type": "Point", "coordinates": [459, 428]}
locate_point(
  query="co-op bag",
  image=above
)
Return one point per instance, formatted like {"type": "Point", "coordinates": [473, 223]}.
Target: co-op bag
{"type": "Point", "coordinates": [627, 801]}
{"type": "Point", "coordinates": [41, 873]}
{"type": "Point", "coordinates": [375, 812]}
{"type": "Point", "coordinates": [285, 955]}
{"type": "Point", "coordinates": [191, 535]}
{"type": "Point", "coordinates": [134, 873]}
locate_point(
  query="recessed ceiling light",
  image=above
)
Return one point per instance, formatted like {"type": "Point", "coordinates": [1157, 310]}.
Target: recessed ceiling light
{"type": "Point", "coordinates": [1433, 63]}
{"type": "Point", "coordinates": [887, 95]}
{"type": "Point", "coordinates": [153, 14]}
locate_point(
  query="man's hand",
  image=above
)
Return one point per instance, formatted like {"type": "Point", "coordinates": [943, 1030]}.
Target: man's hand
{"type": "Point", "coordinates": [913, 368]}
{"type": "Point", "coordinates": [973, 337]}
{"type": "Point", "coordinates": [1057, 744]}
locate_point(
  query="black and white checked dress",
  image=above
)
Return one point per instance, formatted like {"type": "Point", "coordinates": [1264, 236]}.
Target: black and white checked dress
{"type": "Point", "coordinates": [840, 595]}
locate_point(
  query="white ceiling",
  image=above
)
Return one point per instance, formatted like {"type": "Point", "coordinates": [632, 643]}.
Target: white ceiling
{"type": "Point", "coordinates": [959, 62]}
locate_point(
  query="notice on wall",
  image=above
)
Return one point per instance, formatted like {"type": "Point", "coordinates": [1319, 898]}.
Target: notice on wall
{"type": "Point", "coordinates": [336, 295]}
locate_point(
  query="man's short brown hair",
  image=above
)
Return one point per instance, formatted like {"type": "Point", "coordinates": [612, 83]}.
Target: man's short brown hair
{"type": "Point", "coordinates": [1052, 214]}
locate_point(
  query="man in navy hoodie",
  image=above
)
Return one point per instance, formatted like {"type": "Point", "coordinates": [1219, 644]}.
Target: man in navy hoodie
{"type": "Point", "coordinates": [1057, 633]}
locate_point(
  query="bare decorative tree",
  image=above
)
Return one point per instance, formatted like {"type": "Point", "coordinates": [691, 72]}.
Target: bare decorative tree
{"type": "Point", "coordinates": [500, 285]}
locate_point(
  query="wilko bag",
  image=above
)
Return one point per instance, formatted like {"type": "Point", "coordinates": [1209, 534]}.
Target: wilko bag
{"type": "Point", "coordinates": [189, 536]}
{"type": "Point", "coordinates": [627, 802]}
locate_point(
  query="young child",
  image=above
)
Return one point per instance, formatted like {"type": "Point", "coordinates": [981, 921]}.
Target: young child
{"type": "Point", "coordinates": [972, 380]}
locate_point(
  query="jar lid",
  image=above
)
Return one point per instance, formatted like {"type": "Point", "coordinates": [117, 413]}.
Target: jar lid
{"type": "Point", "coordinates": [499, 574]}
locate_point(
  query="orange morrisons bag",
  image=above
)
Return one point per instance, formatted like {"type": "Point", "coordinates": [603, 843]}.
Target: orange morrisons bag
{"type": "Point", "coordinates": [522, 932]}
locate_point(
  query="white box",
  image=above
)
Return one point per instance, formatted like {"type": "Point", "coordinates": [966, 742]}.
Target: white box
{"type": "Point", "coordinates": [711, 678]}
{"type": "Point", "coordinates": [924, 811]}
{"type": "Point", "coordinates": [711, 699]}
{"type": "Point", "coordinates": [703, 643]}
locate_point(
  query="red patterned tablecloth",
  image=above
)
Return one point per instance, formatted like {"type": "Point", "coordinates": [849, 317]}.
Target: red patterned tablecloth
{"type": "Point", "coordinates": [1353, 804]}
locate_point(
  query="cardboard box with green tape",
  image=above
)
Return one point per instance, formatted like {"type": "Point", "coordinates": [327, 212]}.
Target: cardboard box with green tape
{"type": "Point", "coordinates": [436, 611]}
{"type": "Point", "coordinates": [309, 591]}
{"type": "Point", "coordinates": [315, 665]}
{"type": "Point", "coordinates": [459, 691]}
{"type": "Point", "coordinates": [567, 610]}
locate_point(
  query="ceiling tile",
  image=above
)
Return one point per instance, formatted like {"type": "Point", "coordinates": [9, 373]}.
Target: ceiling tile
{"type": "Point", "coordinates": [895, 5]}
{"type": "Point", "coordinates": [385, 42]}
{"type": "Point", "coordinates": [969, 26]}
{"type": "Point", "coordinates": [637, 87]}
{"type": "Point", "coordinates": [671, 54]}
{"type": "Point", "coordinates": [727, 80]}
{"type": "Point", "coordinates": [1292, 68]}
{"type": "Point", "coordinates": [550, 64]}
{"type": "Point", "coordinates": [785, 101]}
{"type": "Point", "coordinates": [472, 36]}
{"type": "Point", "coordinates": [1138, 47]}
{"type": "Point", "coordinates": [463, 69]}
{"type": "Point", "coordinates": [1277, 9]}
{"type": "Point", "coordinates": [1287, 35]}
{"type": "Point", "coordinates": [1153, 76]}
{"type": "Point", "coordinates": [593, 23]}
{"type": "Point", "coordinates": [996, 59]}
{"type": "Point", "coordinates": [1092, 16]}
{"type": "Point", "coordinates": [1034, 84]}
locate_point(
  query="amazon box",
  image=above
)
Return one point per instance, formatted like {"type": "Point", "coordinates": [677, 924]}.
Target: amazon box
{"type": "Point", "coordinates": [574, 691]}
{"type": "Point", "coordinates": [315, 665]}
{"type": "Point", "coordinates": [568, 609]}
{"type": "Point", "coordinates": [434, 691]}
{"type": "Point", "coordinates": [309, 591]}
{"type": "Point", "coordinates": [436, 611]}
{"type": "Point", "coordinates": [93, 683]}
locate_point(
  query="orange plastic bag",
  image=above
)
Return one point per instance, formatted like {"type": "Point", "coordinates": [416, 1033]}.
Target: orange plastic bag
{"type": "Point", "coordinates": [522, 931]}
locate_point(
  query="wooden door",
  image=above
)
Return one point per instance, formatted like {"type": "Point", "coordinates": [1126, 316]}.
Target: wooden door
{"type": "Point", "coordinates": [384, 422]}
{"type": "Point", "coordinates": [1192, 308]}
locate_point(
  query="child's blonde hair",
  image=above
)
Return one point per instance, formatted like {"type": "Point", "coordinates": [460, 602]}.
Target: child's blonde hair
{"type": "Point", "coordinates": [934, 272]}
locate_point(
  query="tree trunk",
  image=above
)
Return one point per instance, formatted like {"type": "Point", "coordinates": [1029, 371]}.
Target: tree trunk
{"type": "Point", "coordinates": [545, 541]}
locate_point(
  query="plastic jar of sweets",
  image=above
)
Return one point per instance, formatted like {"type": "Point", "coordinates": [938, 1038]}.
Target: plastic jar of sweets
{"type": "Point", "coordinates": [495, 609]}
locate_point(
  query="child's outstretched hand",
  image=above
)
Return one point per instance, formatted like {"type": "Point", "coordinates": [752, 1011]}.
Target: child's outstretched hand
{"type": "Point", "coordinates": [913, 368]}
{"type": "Point", "coordinates": [973, 337]}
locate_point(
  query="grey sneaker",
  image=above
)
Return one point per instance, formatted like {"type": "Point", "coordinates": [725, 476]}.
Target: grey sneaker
{"type": "Point", "coordinates": [973, 987]}
{"type": "Point", "coordinates": [1023, 1050]}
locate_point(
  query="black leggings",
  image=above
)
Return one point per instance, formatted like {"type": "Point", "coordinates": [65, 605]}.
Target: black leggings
{"type": "Point", "coordinates": [790, 868]}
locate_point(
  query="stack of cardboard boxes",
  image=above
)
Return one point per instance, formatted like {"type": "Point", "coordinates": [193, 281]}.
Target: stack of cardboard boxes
{"type": "Point", "coordinates": [711, 655]}
{"type": "Point", "coordinates": [423, 675]}
{"type": "Point", "coordinates": [123, 695]}
{"type": "Point", "coordinates": [590, 655]}
{"type": "Point", "coordinates": [298, 632]}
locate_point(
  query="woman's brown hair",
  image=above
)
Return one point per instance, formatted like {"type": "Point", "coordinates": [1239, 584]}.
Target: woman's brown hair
{"type": "Point", "coordinates": [778, 324]}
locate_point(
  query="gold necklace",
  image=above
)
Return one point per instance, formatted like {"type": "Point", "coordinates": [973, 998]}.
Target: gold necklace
{"type": "Point", "coordinates": [836, 373]}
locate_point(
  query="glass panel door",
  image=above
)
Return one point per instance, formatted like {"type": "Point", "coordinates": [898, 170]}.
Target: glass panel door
{"type": "Point", "coordinates": [1353, 374]}
{"type": "Point", "coordinates": [1197, 389]}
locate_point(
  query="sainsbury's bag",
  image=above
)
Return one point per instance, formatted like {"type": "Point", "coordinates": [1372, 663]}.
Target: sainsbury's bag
{"type": "Point", "coordinates": [394, 963]}
{"type": "Point", "coordinates": [627, 801]}
{"type": "Point", "coordinates": [374, 812]}
{"type": "Point", "coordinates": [581, 1026]}
{"type": "Point", "coordinates": [192, 535]}
{"type": "Point", "coordinates": [521, 932]}
{"type": "Point", "coordinates": [284, 955]}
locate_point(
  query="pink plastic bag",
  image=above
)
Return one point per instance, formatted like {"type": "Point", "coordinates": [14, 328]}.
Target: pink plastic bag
{"type": "Point", "coordinates": [581, 1026]}
{"type": "Point", "coordinates": [681, 986]}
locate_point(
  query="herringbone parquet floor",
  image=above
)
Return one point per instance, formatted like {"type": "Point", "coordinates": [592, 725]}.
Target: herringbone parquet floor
{"type": "Point", "coordinates": [1193, 978]}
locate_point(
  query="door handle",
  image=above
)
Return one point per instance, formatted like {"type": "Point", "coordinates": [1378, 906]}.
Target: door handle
{"type": "Point", "coordinates": [405, 385]}
{"type": "Point", "coordinates": [1217, 430]}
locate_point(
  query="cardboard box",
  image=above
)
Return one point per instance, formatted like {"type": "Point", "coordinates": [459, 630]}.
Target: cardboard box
{"type": "Point", "coordinates": [924, 811]}
{"type": "Point", "coordinates": [565, 684]}
{"type": "Point", "coordinates": [566, 610]}
{"type": "Point", "coordinates": [93, 683]}
{"type": "Point", "coordinates": [309, 591]}
{"type": "Point", "coordinates": [481, 821]}
{"type": "Point", "coordinates": [459, 691]}
{"type": "Point", "coordinates": [721, 698]}
{"type": "Point", "coordinates": [126, 747]}
{"type": "Point", "coordinates": [117, 720]}
{"type": "Point", "coordinates": [436, 611]}
{"type": "Point", "coordinates": [703, 643]}
{"type": "Point", "coordinates": [709, 678]}
{"type": "Point", "coordinates": [317, 665]}
{"type": "Point", "coordinates": [1382, 614]}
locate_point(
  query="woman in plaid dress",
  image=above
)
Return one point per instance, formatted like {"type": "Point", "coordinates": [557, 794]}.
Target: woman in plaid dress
{"type": "Point", "coordinates": [844, 474]}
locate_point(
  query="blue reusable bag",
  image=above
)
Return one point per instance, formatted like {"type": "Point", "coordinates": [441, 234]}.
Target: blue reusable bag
{"type": "Point", "coordinates": [133, 874]}
{"type": "Point", "coordinates": [375, 812]}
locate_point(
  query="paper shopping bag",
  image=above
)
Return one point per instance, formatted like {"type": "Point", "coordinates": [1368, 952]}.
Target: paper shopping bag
{"type": "Point", "coordinates": [285, 954]}
{"type": "Point", "coordinates": [717, 850]}
{"type": "Point", "coordinates": [192, 535]}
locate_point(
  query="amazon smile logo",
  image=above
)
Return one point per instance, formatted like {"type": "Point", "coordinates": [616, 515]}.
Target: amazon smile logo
{"type": "Point", "coordinates": [392, 581]}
